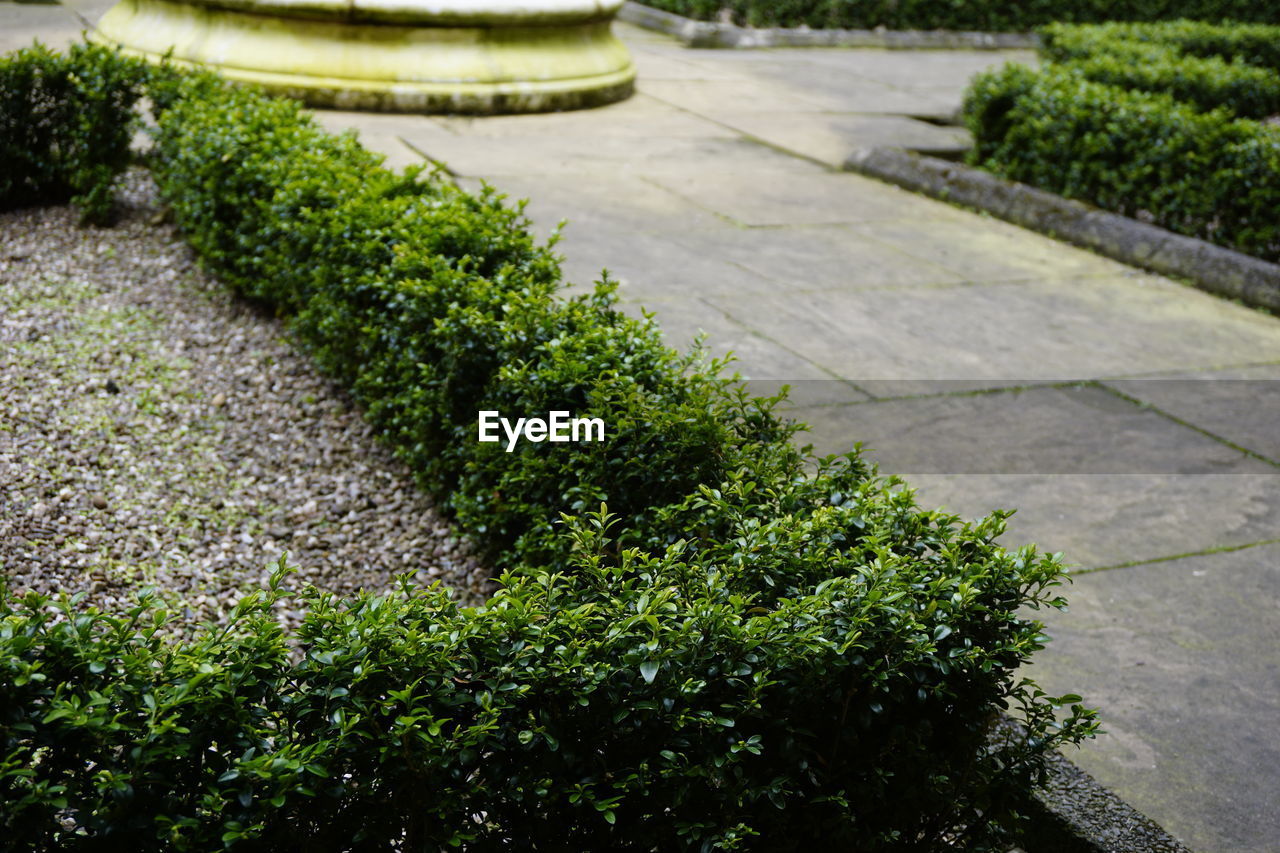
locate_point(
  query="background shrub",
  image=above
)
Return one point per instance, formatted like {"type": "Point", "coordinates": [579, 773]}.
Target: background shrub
{"type": "Point", "coordinates": [984, 15]}
{"type": "Point", "coordinates": [748, 649]}
{"type": "Point", "coordinates": [1207, 83]}
{"type": "Point", "coordinates": [1141, 129]}
{"type": "Point", "coordinates": [66, 123]}
{"type": "Point", "coordinates": [1255, 44]}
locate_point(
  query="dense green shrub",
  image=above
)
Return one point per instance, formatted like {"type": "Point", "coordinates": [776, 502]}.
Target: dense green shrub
{"type": "Point", "coordinates": [1204, 64]}
{"type": "Point", "coordinates": [1254, 44]}
{"type": "Point", "coordinates": [1206, 174]}
{"type": "Point", "coordinates": [756, 650]}
{"type": "Point", "coordinates": [984, 15]}
{"type": "Point", "coordinates": [1206, 82]}
{"type": "Point", "coordinates": [66, 123]}
{"type": "Point", "coordinates": [635, 703]}
{"type": "Point", "coordinates": [433, 304]}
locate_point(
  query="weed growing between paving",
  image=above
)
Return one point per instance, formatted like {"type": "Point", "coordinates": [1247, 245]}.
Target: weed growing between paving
{"type": "Point", "coordinates": [746, 649]}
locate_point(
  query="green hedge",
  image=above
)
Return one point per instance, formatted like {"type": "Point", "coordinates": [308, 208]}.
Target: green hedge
{"type": "Point", "coordinates": [983, 15]}
{"type": "Point", "coordinates": [1255, 44]}
{"type": "Point", "coordinates": [1204, 173]}
{"type": "Point", "coordinates": [1206, 82]}
{"type": "Point", "coordinates": [1207, 65]}
{"type": "Point", "coordinates": [636, 703]}
{"type": "Point", "coordinates": [746, 654]}
{"type": "Point", "coordinates": [433, 305]}
{"type": "Point", "coordinates": [65, 126]}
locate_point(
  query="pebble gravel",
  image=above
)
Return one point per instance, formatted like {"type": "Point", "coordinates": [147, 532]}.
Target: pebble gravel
{"type": "Point", "coordinates": [156, 431]}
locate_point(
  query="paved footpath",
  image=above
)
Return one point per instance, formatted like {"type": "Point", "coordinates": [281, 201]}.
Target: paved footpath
{"type": "Point", "coordinates": [1134, 422]}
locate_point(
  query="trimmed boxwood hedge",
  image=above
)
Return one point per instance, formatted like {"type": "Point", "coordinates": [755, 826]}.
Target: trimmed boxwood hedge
{"type": "Point", "coordinates": [983, 15]}
{"type": "Point", "coordinates": [65, 127]}
{"type": "Point", "coordinates": [748, 649]}
{"type": "Point", "coordinates": [1205, 82]}
{"type": "Point", "coordinates": [1136, 148]}
{"type": "Point", "coordinates": [432, 305]}
{"type": "Point", "coordinates": [1255, 44]}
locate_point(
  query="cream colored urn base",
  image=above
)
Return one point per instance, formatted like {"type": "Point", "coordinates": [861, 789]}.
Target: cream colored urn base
{"type": "Point", "coordinates": [438, 56]}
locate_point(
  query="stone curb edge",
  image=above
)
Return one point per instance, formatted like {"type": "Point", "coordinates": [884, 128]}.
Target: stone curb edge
{"type": "Point", "coordinates": [708, 34]}
{"type": "Point", "coordinates": [1073, 813]}
{"type": "Point", "coordinates": [1214, 268]}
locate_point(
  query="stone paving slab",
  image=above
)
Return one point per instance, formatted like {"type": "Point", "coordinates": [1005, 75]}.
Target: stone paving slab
{"type": "Point", "coordinates": [1083, 429]}
{"type": "Point", "coordinates": [22, 23]}
{"type": "Point", "coordinates": [835, 91]}
{"type": "Point", "coordinates": [656, 60]}
{"type": "Point", "coordinates": [824, 136]}
{"type": "Point", "coordinates": [1009, 334]}
{"type": "Point", "coordinates": [784, 197]}
{"type": "Point", "coordinates": [633, 203]}
{"type": "Point", "coordinates": [54, 24]}
{"type": "Point", "coordinates": [810, 258]}
{"type": "Point", "coordinates": [384, 133]}
{"type": "Point", "coordinates": [996, 252]}
{"type": "Point", "coordinates": [1240, 405]}
{"type": "Point", "coordinates": [684, 272]}
{"type": "Point", "coordinates": [1101, 520]}
{"type": "Point", "coordinates": [701, 96]}
{"type": "Point", "coordinates": [542, 154]}
{"type": "Point", "coordinates": [640, 115]}
{"type": "Point", "coordinates": [832, 87]}
{"type": "Point", "coordinates": [760, 359]}
{"type": "Point", "coordinates": [1183, 659]}
{"type": "Point", "coordinates": [908, 69]}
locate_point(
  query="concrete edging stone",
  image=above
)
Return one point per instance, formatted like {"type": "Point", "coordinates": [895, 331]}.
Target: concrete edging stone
{"type": "Point", "coordinates": [714, 34]}
{"type": "Point", "coordinates": [1213, 268]}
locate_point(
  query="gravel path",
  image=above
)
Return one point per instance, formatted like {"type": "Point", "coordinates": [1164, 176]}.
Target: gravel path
{"type": "Point", "coordinates": [154, 430]}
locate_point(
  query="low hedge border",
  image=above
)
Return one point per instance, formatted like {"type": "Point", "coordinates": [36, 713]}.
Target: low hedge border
{"type": "Point", "coordinates": [1208, 175]}
{"type": "Point", "coordinates": [694, 33]}
{"type": "Point", "coordinates": [1255, 44]}
{"type": "Point", "coordinates": [749, 649]}
{"type": "Point", "coordinates": [1213, 268]}
{"type": "Point", "coordinates": [1206, 82]}
{"type": "Point", "coordinates": [65, 128]}
{"type": "Point", "coordinates": [984, 17]}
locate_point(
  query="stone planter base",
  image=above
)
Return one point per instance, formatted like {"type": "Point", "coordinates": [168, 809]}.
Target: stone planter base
{"type": "Point", "coordinates": [395, 60]}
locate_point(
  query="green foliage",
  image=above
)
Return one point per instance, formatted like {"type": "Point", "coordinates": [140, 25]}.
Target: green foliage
{"type": "Point", "coordinates": [633, 703]}
{"type": "Point", "coordinates": [1206, 82]}
{"type": "Point", "coordinates": [433, 305]}
{"type": "Point", "coordinates": [1107, 126]}
{"type": "Point", "coordinates": [985, 16]}
{"type": "Point", "coordinates": [1207, 65]}
{"type": "Point", "coordinates": [1254, 44]}
{"type": "Point", "coordinates": [752, 650]}
{"type": "Point", "coordinates": [65, 126]}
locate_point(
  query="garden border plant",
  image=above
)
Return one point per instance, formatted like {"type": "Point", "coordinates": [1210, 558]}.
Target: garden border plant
{"type": "Point", "coordinates": [65, 127]}
{"type": "Point", "coordinates": [1138, 148]}
{"type": "Point", "coordinates": [748, 648]}
{"type": "Point", "coordinates": [949, 15]}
